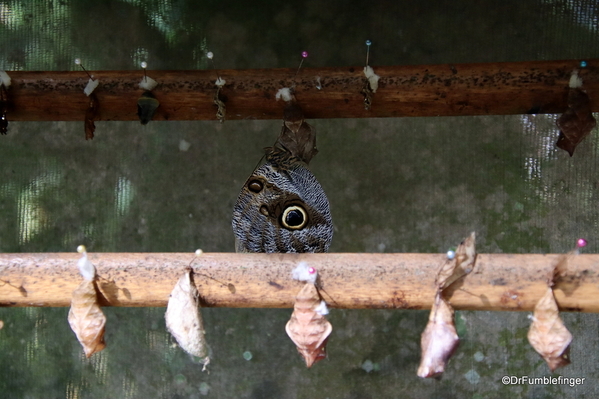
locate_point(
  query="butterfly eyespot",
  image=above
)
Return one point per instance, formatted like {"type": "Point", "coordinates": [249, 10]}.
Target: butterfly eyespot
{"type": "Point", "coordinates": [255, 186]}
{"type": "Point", "coordinates": [294, 217]}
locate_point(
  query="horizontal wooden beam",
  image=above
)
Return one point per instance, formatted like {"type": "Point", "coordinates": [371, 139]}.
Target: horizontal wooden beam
{"type": "Point", "coordinates": [407, 90]}
{"type": "Point", "coordinates": [498, 282]}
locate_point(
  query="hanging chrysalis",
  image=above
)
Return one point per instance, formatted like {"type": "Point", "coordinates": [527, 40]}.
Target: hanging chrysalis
{"type": "Point", "coordinates": [221, 111]}
{"type": "Point", "coordinates": [297, 137]}
{"type": "Point", "coordinates": [548, 335]}
{"type": "Point", "coordinates": [147, 104]}
{"type": "Point", "coordinates": [439, 339]}
{"type": "Point", "coordinates": [578, 121]}
{"type": "Point", "coordinates": [308, 328]}
{"type": "Point", "coordinates": [184, 320]}
{"type": "Point", "coordinates": [4, 101]}
{"type": "Point", "coordinates": [371, 84]}
{"type": "Point", "coordinates": [93, 105]}
{"type": "Point", "coordinates": [90, 115]}
{"type": "Point", "coordinates": [85, 316]}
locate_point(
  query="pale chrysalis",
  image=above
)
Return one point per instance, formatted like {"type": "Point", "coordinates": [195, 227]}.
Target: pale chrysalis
{"type": "Point", "coordinates": [184, 320]}
{"type": "Point", "coordinates": [439, 340]}
{"type": "Point", "coordinates": [85, 316]}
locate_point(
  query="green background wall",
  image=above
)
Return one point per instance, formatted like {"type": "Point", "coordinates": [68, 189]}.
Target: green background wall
{"type": "Point", "coordinates": [395, 185]}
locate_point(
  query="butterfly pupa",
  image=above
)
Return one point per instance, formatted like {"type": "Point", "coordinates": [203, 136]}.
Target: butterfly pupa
{"type": "Point", "coordinates": [85, 315]}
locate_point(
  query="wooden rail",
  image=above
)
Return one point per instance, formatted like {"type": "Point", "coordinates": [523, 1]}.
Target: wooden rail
{"type": "Point", "coordinates": [498, 282]}
{"type": "Point", "coordinates": [410, 90]}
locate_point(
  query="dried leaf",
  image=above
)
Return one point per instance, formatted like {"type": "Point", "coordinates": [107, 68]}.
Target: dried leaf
{"type": "Point", "coordinates": [367, 93]}
{"type": "Point", "coordinates": [90, 115]}
{"type": "Point", "coordinates": [87, 319]}
{"type": "Point", "coordinates": [439, 339]}
{"type": "Point", "coordinates": [297, 136]}
{"type": "Point", "coordinates": [460, 265]}
{"type": "Point", "coordinates": [577, 122]}
{"type": "Point", "coordinates": [184, 320]}
{"type": "Point", "coordinates": [293, 116]}
{"type": "Point", "coordinates": [548, 335]}
{"type": "Point", "coordinates": [221, 112]}
{"type": "Point", "coordinates": [147, 105]}
{"type": "Point", "coordinates": [308, 328]}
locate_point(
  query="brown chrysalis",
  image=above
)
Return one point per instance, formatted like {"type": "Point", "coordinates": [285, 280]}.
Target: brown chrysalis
{"type": "Point", "coordinates": [578, 121]}
{"type": "Point", "coordinates": [90, 115]}
{"type": "Point", "coordinates": [308, 328]}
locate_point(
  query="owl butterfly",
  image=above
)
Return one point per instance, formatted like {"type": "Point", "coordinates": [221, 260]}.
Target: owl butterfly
{"type": "Point", "coordinates": [282, 207]}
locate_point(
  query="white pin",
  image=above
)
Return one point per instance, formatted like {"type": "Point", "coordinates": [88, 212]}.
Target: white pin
{"type": "Point", "coordinates": [92, 83]}
{"type": "Point", "coordinates": [147, 83]}
{"type": "Point", "coordinates": [220, 82]}
{"type": "Point", "coordinates": [86, 268]}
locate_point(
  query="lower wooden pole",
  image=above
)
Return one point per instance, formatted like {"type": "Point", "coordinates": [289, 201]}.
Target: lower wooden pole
{"type": "Point", "coordinates": [352, 281]}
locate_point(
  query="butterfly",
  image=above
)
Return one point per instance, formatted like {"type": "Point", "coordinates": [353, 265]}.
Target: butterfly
{"type": "Point", "coordinates": [282, 206]}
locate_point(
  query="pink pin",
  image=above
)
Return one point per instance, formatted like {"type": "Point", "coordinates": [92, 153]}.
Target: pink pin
{"type": "Point", "coordinates": [581, 242]}
{"type": "Point", "coordinates": [304, 56]}
{"type": "Point", "coordinates": [311, 270]}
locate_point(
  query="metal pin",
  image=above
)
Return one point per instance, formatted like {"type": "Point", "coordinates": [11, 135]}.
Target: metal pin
{"type": "Point", "coordinates": [210, 56]}
{"type": "Point", "coordinates": [78, 62]}
{"type": "Point", "coordinates": [368, 43]}
{"type": "Point", "coordinates": [304, 56]}
{"type": "Point", "coordinates": [144, 65]}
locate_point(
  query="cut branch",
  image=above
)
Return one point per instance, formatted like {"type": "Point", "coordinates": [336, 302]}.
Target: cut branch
{"type": "Point", "coordinates": [422, 90]}
{"type": "Point", "coordinates": [498, 282]}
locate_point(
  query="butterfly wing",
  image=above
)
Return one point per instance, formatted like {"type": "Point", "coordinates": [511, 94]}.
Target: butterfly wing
{"type": "Point", "coordinates": [282, 210]}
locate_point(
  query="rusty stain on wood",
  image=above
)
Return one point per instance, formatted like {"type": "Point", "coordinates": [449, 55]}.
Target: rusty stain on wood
{"type": "Point", "coordinates": [407, 90]}
{"type": "Point", "coordinates": [383, 281]}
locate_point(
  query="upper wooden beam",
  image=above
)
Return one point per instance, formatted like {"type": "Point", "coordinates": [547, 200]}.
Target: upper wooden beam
{"type": "Point", "coordinates": [403, 281]}
{"type": "Point", "coordinates": [409, 90]}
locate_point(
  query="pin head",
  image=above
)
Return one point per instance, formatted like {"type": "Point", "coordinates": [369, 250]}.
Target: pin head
{"type": "Point", "coordinates": [311, 270]}
{"type": "Point", "coordinates": [144, 64]}
{"type": "Point", "coordinates": [304, 54]}
{"type": "Point", "coordinates": [368, 42]}
{"type": "Point", "coordinates": [581, 242]}
{"type": "Point", "coordinates": [210, 54]}
{"type": "Point", "coordinates": [450, 254]}
{"type": "Point", "coordinates": [78, 61]}
{"type": "Point", "coordinates": [583, 64]}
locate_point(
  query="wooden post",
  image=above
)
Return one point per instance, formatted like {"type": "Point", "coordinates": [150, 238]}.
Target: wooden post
{"type": "Point", "coordinates": [407, 90]}
{"type": "Point", "coordinates": [384, 281]}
